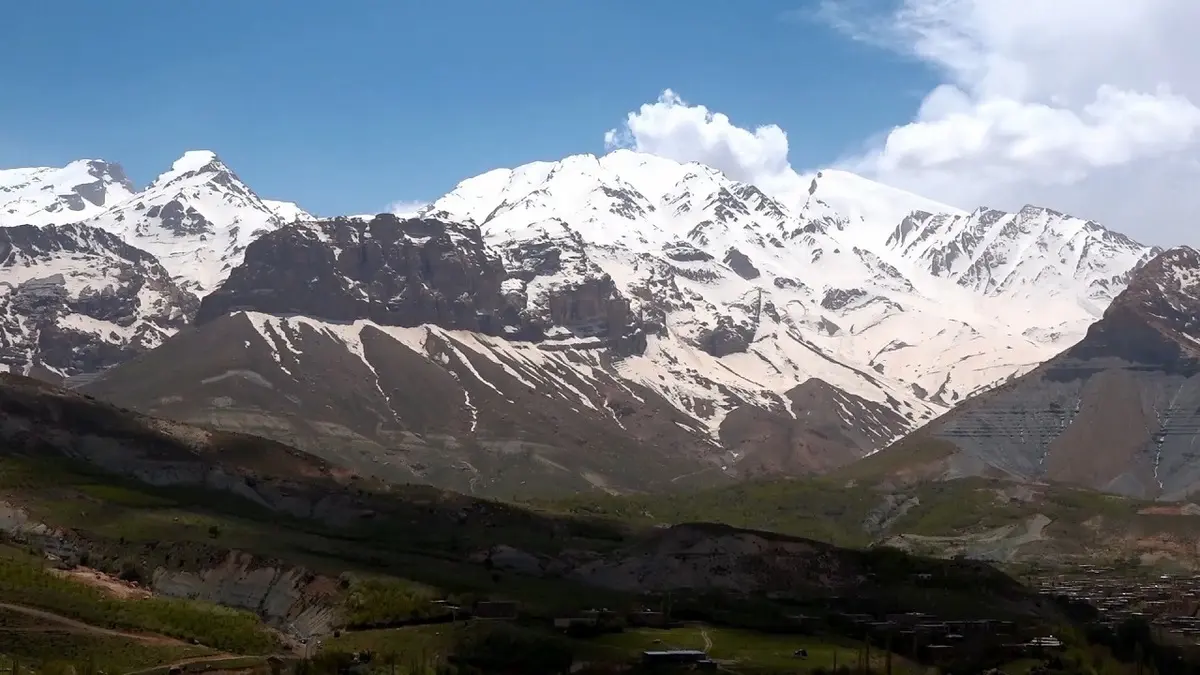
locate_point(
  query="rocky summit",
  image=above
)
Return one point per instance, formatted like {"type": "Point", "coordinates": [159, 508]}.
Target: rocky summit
{"type": "Point", "coordinates": [1119, 411]}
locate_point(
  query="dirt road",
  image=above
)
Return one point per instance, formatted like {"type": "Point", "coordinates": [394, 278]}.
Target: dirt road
{"type": "Point", "coordinates": [81, 627]}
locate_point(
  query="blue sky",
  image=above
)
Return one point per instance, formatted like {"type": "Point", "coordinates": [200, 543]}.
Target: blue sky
{"type": "Point", "coordinates": [348, 106]}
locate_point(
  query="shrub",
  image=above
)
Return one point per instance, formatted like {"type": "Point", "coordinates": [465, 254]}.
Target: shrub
{"type": "Point", "coordinates": [388, 602]}
{"type": "Point", "coordinates": [131, 572]}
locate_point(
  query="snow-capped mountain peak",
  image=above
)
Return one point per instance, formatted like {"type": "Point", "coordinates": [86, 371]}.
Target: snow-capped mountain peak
{"type": "Point", "coordinates": [926, 302]}
{"type": "Point", "coordinates": [197, 218]}
{"type": "Point", "coordinates": [191, 163]}
{"type": "Point", "coordinates": [77, 191]}
{"type": "Point", "coordinates": [290, 212]}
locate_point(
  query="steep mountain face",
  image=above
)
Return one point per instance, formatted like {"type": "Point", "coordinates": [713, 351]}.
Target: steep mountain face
{"type": "Point", "coordinates": [784, 293]}
{"type": "Point", "coordinates": [406, 350]}
{"type": "Point", "coordinates": [1029, 255]}
{"type": "Point", "coordinates": [75, 299]}
{"type": "Point", "coordinates": [45, 195]}
{"type": "Point", "coordinates": [1118, 411]}
{"type": "Point", "coordinates": [197, 219]}
{"type": "Point", "coordinates": [423, 404]}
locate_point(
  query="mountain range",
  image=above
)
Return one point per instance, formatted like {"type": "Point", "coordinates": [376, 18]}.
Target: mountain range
{"type": "Point", "coordinates": [623, 322]}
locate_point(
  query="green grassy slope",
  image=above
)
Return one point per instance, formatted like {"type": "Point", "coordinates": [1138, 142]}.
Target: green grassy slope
{"type": "Point", "coordinates": [941, 517]}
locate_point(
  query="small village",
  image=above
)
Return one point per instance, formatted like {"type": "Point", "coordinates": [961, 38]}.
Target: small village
{"type": "Point", "coordinates": [1171, 603]}
{"type": "Point", "coordinates": [920, 636]}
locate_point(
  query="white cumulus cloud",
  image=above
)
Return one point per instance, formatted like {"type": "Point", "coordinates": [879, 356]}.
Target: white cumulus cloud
{"type": "Point", "coordinates": [1087, 106]}
{"type": "Point", "coordinates": [672, 128]}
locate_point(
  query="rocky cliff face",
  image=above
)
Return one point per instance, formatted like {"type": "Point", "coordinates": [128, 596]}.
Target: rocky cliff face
{"type": "Point", "coordinates": [408, 273]}
{"type": "Point", "coordinates": [390, 271]}
{"type": "Point", "coordinates": [74, 299]}
{"type": "Point", "coordinates": [292, 598]}
{"type": "Point", "coordinates": [1119, 411]}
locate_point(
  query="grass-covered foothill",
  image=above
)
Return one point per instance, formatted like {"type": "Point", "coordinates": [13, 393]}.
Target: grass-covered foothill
{"type": "Point", "coordinates": [46, 651]}
{"type": "Point", "coordinates": [812, 507]}
{"type": "Point", "coordinates": [421, 551]}
{"type": "Point", "coordinates": [940, 518]}
{"type": "Point", "coordinates": [535, 650]}
{"type": "Point", "coordinates": [26, 583]}
{"type": "Point", "coordinates": [392, 565]}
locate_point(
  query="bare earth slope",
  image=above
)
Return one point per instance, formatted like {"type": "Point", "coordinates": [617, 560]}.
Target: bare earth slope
{"type": "Point", "coordinates": [1119, 411]}
{"type": "Point", "coordinates": [41, 421]}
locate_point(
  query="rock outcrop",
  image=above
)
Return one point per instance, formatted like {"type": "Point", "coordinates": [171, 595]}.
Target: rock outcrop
{"type": "Point", "coordinates": [413, 272]}
{"type": "Point", "coordinates": [75, 299]}
{"type": "Point", "coordinates": [392, 272]}
{"type": "Point", "coordinates": [286, 596]}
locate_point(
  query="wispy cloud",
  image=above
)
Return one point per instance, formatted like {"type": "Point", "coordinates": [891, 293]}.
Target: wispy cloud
{"type": "Point", "coordinates": [406, 207]}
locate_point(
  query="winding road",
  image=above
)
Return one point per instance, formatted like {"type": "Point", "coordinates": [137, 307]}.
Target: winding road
{"type": "Point", "coordinates": [74, 626]}
{"type": "Point", "coordinates": [69, 625]}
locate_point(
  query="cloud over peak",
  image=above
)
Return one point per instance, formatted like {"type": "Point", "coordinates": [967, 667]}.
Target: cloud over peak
{"type": "Point", "coordinates": [1087, 106]}
{"type": "Point", "coordinates": [670, 127]}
